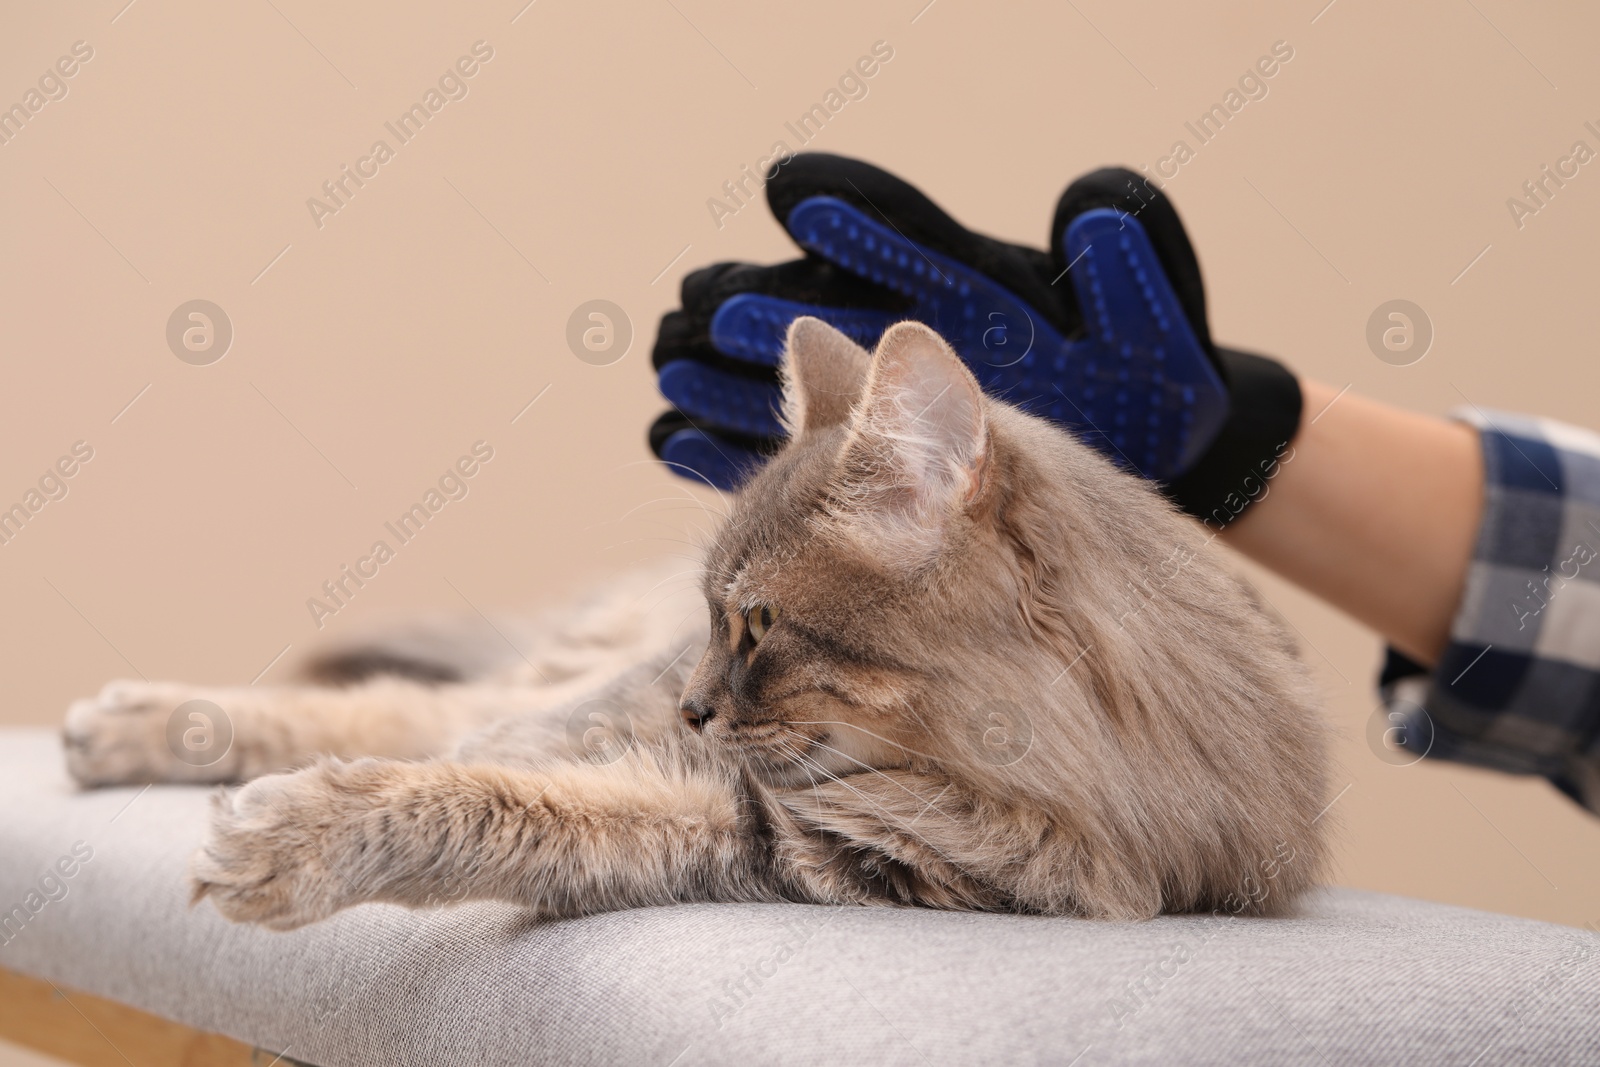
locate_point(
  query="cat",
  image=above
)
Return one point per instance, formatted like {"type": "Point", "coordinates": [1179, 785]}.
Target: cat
{"type": "Point", "coordinates": [953, 658]}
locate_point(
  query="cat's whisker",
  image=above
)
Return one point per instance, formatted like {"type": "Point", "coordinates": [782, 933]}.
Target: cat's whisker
{"type": "Point", "coordinates": [816, 787]}
{"type": "Point", "coordinates": [809, 763]}
{"type": "Point", "coordinates": [889, 820]}
{"type": "Point", "coordinates": [799, 752]}
{"type": "Point", "coordinates": [863, 729]}
{"type": "Point", "coordinates": [832, 777]}
{"type": "Point", "coordinates": [805, 743]}
{"type": "Point", "coordinates": [816, 790]}
{"type": "Point", "coordinates": [674, 576]}
{"type": "Point", "coordinates": [794, 757]}
{"type": "Point", "coordinates": [682, 498]}
{"type": "Point", "coordinates": [886, 777]}
{"type": "Point", "coordinates": [800, 763]}
{"type": "Point", "coordinates": [678, 626]}
{"type": "Point", "coordinates": [912, 711]}
{"type": "Point", "coordinates": [615, 545]}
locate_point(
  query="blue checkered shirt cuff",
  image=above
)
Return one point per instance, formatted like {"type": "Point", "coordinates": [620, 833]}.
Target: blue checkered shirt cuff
{"type": "Point", "coordinates": [1518, 687]}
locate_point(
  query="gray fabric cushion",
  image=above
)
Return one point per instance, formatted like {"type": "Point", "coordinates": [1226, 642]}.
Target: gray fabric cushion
{"type": "Point", "coordinates": [1354, 978]}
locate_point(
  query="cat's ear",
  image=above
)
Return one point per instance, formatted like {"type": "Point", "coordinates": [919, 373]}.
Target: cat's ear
{"type": "Point", "coordinates": [823, 374]}
{"type": "Point", "coordinates": [919, 445]}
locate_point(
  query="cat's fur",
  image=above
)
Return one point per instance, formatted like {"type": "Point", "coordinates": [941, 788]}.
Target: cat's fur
{"type": "Point", "coordinates": [1002, 675]}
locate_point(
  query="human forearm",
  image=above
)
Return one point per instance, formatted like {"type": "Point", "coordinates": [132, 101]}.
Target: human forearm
{"type": "Point", "coordinates": [1375, 510]}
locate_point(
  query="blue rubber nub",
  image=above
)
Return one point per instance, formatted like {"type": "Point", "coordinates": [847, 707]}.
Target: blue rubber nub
{"type": "Point", "coordinates": [753, 327]}
{"type": "Point", "coordinates": [722, 400]}
{"type": "Point", "coordinates": [1138, 385]}
{"type": "Point", "coordinates": [1144, 381]}
{"type": "Point", "coordinates": [718, 463]}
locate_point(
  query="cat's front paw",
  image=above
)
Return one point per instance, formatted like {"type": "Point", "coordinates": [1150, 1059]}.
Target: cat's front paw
{"type": "Point", "coordinates": [136, 732]}
{"type": "Point", "coordinates": [277, 850]}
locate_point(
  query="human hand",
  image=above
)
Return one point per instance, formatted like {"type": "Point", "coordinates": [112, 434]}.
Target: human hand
{"type": "Point", "coordinates": [1122, 355]}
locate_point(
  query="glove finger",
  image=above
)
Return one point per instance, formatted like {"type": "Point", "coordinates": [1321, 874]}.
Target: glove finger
{"type": "Point", "coordinates": [917, 225]}
{"type": "Point", "coordinates": [718, 399]}
{"type": "Point", "coordinates": [1130, 194]}
{"type": "Point", "coordinates": [756, 328]}
{"type": "Point", "coordinates": [1141, 376]}
{"type": "Point", "coordinates": [701, 455]}
{"type": "Point", "coordinates": [808, 281]}
{"type": "Point", "coordinates": [676, 337]}
{"type": "Point", "coordinates": [748, 333]}
{"type": "Point", "coordinates": [680, 338]}
{"type": "Point", "coordinates": [1000, 336]}
{"type": "Point", "coordinates": [810, 284]}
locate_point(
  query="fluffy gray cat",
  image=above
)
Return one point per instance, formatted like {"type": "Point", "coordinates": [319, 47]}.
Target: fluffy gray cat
{"type": "Point", "coordinates": [953, 658]}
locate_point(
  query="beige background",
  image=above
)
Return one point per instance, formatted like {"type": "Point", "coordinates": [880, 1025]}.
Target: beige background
{"type": "Point", "coordinates": [430, 310]}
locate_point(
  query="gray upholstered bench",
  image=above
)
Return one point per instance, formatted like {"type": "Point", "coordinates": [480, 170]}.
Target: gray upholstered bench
{"type": "Point", "coordinates": [1353, 978]}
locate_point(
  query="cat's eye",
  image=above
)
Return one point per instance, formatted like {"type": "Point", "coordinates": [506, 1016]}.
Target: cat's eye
{"type": "Point", "coordinates": [759, 620]}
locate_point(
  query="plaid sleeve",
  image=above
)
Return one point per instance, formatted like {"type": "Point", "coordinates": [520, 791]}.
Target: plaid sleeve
{"type": "Point", "coordinates": [1518, 686]}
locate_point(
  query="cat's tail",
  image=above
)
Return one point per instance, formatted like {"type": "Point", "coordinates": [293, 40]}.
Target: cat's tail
{"type": "Point", "coordinates": [436, 652]}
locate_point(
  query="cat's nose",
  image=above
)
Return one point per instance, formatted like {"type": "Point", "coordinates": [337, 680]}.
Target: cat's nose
{"type": "Point", "coordinates": [696, 713]}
